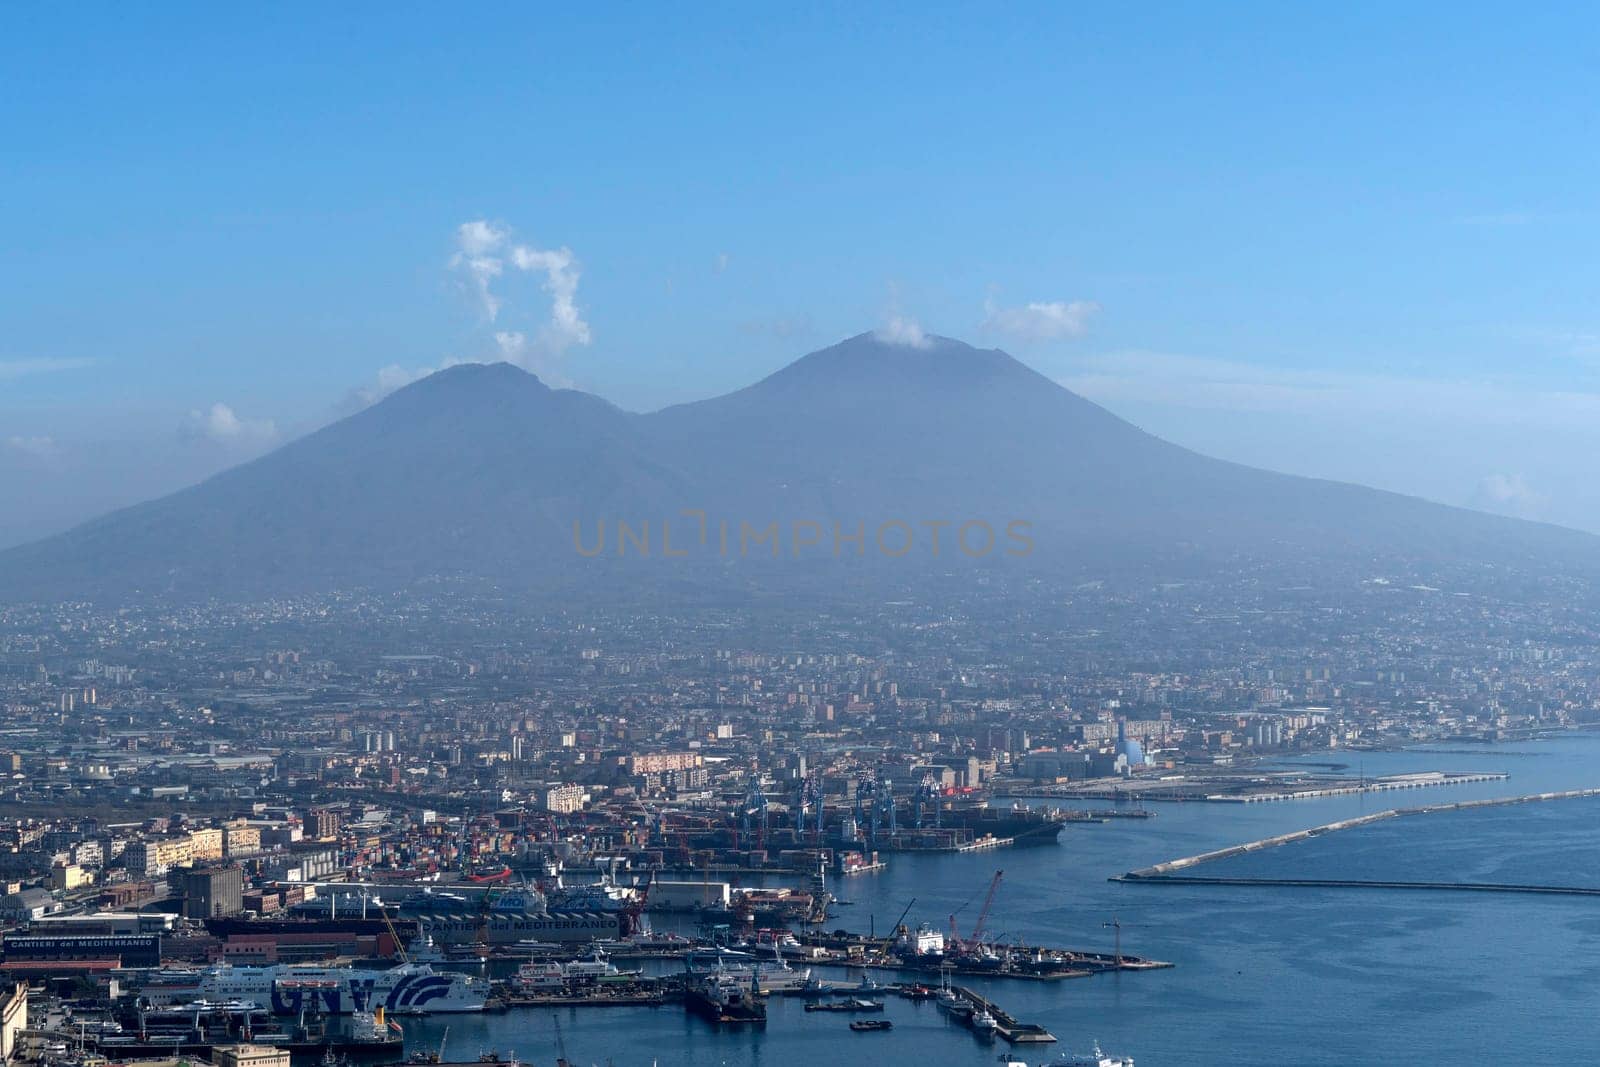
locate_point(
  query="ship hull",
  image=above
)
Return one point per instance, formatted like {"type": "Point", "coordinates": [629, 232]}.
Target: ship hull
{"type": "Point", "coordinates": [723, 1015]}
{"type": "Point", "coordinates": [288, 990]}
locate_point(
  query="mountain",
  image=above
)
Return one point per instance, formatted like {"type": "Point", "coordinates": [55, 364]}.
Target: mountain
{"type": "Point", "coordinates": [483, 471]}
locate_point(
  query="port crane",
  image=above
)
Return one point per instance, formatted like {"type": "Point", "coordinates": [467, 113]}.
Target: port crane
{"type": "Point", "coordinates": [561, 1044]}
{"type": "Point", "coordinates": [883, 950]}
{"type": "Point", "coordinates": [753, 808]}
{"type": "Point", "coordinates": [808, 807]}
{"type": "Point", "coordinates": [988, 903]}
{"type": "Point", "coordinates": [1116, 924]}
{"type": "Point", "coordinates": [399, 946]}
{"type": "Point", "coordinates": [928, 797]}
{"type": "Point", "coordinates": [983, 917]}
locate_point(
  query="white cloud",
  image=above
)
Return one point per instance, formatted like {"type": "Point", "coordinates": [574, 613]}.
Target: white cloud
{"type": "Point", "coordinates": [21, 368]}
{"type": "Point", "coordinates": [33, 447]}
{"type": "Point", "coordinates": [479, 237]}
{"type": "Point", "coordinates": [395, 377]}
{"type": "Point", "coordinates": [1510, 494]}
{"type": "Point", "coordinates": [388, 380]}
{"type": "Point", "coordinates": [1053, 320]}
{"type": "Point", "coordinates": [484, 253]}
{"type": "Point", "coordinates": [566, 326]}
{"type": "Point", "coordinates": [222, 425]}
{"type": "Point", "coordinates": [477, 246]}
{"type": "Point", "coordinates": [723, 259]}
{"type": "Point", "coordinates": [900, 330]}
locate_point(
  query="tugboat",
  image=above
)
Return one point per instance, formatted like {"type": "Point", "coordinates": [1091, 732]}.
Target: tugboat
{"type": "Point", "coordinates": [983, 1022]}
{"type": "Point", "coordinates": [864, 1026]}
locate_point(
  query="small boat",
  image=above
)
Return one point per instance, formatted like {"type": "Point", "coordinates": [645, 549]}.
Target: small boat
{"type": "Point", "coordinates": [862, 1026]}
{"type": "Point", "coordinates": [983, 1022]}
{"type": "Point", "coordinates": [1094, 1059]}
{"type": "Point", "coordinates": [947, 999]}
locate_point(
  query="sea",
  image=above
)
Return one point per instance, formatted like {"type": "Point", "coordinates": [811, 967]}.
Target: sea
{"type": "Point", "coordinates": [1269, 976]}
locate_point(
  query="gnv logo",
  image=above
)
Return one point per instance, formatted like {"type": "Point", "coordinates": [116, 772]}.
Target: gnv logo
{"type": "Point", "coordinates": [360, 993]}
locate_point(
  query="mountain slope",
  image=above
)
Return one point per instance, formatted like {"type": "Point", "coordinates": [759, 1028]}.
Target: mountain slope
{"type": "Point", "coordinates": [483, 470]}
{"type": "Point", "coordinates": [866, 429]}
{"type": "Point", "coordinates": [462, 472]}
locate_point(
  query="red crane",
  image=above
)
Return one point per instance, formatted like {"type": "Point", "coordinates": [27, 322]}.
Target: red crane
{"type": "Point", "coordinates": [988, 902]}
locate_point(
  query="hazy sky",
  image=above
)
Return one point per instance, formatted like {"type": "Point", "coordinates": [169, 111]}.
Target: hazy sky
{"type": "Point", "coordinates": [1358, 241]}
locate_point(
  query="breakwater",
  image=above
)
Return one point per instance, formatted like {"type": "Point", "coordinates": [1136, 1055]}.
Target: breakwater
{"type": "Point", "coordinates": [1174, 871]}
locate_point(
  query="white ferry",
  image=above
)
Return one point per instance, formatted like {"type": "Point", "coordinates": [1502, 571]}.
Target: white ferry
{"type": "Point", "coordinates": [534, 977]}
{"type": "Point", "coordinates": [284, 989]}
{"type": "Point", "coordinates": [771, 976]}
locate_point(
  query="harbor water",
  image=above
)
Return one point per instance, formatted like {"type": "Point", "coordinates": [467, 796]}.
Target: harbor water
{"type": "Point", "coordinates": [1264, 975]}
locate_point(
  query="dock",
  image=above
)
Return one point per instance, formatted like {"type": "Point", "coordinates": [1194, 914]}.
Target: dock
{"type": "Point", "coordinates": [1008, 1028]}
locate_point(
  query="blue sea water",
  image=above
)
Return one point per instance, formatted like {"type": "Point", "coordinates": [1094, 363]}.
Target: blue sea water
{"type": "Point", "coordinates": [1263, 976]}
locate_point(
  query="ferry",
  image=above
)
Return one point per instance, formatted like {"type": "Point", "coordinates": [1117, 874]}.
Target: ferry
{"type": "Point", "coordinates": [552, 977]}
{"type": "Point", "coordinates": [770, 976]}
{"type": "Point", "coordinates": [284, 989]}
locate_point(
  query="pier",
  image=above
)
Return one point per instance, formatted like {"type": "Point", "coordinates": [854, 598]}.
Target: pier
{"type": "Point", "coordinates": [1017, 1033]}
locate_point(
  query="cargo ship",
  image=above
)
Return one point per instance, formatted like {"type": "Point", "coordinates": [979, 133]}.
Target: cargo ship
{"type": "Point", "coordinates": [1023, 826]}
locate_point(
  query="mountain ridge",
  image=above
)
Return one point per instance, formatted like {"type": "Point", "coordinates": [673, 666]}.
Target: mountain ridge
{"type": "Point", "coordinates": [484, 470]}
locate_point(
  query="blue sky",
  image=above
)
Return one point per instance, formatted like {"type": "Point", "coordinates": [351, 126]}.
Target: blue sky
{"type": "Point", "coordinates": [1355, 241]}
